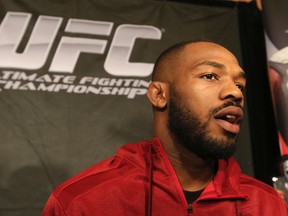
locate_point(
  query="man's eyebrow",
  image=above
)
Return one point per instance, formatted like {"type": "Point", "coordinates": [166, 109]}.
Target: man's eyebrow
{"type": "Point", "coordinates": [242, 74]}
{"type": "Point", "coordinates": [211, 63]}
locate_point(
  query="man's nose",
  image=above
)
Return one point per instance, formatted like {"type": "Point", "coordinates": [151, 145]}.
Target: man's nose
{"type": "Point", "coordinates": [231, 91]}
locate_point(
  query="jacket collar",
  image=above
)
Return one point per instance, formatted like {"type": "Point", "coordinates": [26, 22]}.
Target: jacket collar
{"type": "Point", "coordinates": [224, 184]}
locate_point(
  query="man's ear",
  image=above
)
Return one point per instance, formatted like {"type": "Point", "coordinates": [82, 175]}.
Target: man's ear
{"type": "Point", "coordinates": [157, 94]}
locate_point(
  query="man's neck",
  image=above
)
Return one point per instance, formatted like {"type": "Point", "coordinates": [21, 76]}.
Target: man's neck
{"type": "Point", "coordinates": [193, 172]}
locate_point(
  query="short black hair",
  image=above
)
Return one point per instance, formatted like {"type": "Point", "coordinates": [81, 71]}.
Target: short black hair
{"type": "Point", "coordinates": [169, 53]}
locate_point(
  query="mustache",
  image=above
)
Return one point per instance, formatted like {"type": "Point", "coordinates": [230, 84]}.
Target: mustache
{"type": "Point", "coordinates": [227, 104]}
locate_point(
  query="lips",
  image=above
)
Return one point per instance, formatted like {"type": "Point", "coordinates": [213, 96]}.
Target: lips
{"type": "Point", "coordinates": [230, 119]}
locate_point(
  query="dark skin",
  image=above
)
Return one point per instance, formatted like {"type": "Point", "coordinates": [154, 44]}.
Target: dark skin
{"type": "Point", "coordinates": [206, 75]}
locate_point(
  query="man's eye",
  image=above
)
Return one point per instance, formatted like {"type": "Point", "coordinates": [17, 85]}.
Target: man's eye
{"type": "Point", "coordinates": [209, 76]}
{"type": "Point", "coordinates": [240, 86]}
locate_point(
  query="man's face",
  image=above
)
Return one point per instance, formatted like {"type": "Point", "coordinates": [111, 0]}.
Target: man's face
{"type": "Point", "coordinates": [206, 100]}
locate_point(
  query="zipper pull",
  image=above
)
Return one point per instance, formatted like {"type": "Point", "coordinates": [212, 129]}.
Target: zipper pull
{"type": "Point", "coordinates": [190, 209]}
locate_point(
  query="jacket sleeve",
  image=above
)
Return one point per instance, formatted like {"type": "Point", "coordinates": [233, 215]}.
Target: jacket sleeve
{"type": "Point", "coordinates": [53, 207]}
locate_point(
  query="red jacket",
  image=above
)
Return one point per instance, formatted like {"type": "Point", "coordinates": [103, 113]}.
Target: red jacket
{"type": "Point", "coordinates": [140, 180]}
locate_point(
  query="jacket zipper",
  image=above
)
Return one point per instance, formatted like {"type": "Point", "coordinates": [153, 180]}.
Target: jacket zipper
{"type": "Point", "coordinates": [190, 209]}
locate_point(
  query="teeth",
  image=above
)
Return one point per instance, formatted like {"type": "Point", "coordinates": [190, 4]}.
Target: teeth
{"type": "Point", "coordinates": [230, 116]}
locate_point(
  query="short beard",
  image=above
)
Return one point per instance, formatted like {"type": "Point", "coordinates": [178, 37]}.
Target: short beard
{"type": "Point", "coordinates": [188, 131]}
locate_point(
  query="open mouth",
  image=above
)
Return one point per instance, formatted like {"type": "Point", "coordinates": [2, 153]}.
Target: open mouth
{"type": "Point", "coordinates": [230, 119]}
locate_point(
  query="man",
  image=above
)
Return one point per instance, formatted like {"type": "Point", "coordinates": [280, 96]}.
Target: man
{"type": "Point", "coordinates": [187, 169]}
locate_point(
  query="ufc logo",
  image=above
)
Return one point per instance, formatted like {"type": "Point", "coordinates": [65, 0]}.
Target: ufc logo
{"type": "Point", "coordinates": [36, 52]}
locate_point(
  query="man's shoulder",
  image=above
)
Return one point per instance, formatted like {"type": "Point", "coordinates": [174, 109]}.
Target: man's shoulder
{"type": "Point", "coordinates": [256, 187]}
{"type": "Point", "coordinates": [91, 184]}
{"type": "Point", "coordinates": [120, 175]}
{"type": "Point", "coordinates": [262, 196]}
{"type": "Point", "coordinates": [103, 174]}
{"type": "Point", "coordinates": [87, 179]}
